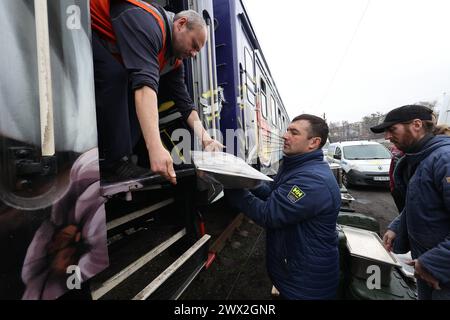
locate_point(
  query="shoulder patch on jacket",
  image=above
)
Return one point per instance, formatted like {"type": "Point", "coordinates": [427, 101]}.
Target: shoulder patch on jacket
{"type": "Point", "coordinates": [295, 194]}
{"type": "Point", "coordinates": [448, 179]}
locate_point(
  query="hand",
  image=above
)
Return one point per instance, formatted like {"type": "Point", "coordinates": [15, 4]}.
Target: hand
{"type": "Point", "coordinates": [161, 163]}
{"type": "Point", "coordinates": [388, 239]}
{"type": "Point", "coordinates": [212, 145]}
{"type": "Point", "coordinates": [421, 273]}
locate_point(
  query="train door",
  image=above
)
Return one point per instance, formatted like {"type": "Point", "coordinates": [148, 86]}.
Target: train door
{"type": "Point", "coordinates": [271, 138]}
{"type": "Point", "coordinates": [263, 119]}
{"type": "Point", "coordinates": [52, 217]}
{"type": "Point", "coordinates": [276, 141]}
{"type": "Point", "coordinates": [249, 107]}
{"type": "Point", "coordinates": [206, 90]}
{"type": "Point", "coordinates": [249, 87]}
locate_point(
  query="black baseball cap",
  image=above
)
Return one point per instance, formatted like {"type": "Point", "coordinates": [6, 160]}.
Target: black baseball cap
{"type": "Point", "coordinates": [404, 114]}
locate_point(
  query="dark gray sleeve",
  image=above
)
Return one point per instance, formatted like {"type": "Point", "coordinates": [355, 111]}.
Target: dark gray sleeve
{"type": "Point", "coordinates": [173, 84]}
{"type": "Point", "coordinates": [139, 40]}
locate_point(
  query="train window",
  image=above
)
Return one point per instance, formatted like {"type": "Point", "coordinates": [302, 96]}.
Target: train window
{"type": "Point", "coordinates": [249, 63]}
{"type": "Point", "coordinates": [264, 105]}
{"type": "Point", "coordinates": [274, 110]}
{"type": "Point", "coordinates": [263, 99]}
{"type": "Point", "coordinates": [249, 78]}
{"type": "Point", "coordinates": [250, 94]}
{"type": "Point", "coordinates": [263, 86]}
{"type": "Point", "coordinates": [279, 118]}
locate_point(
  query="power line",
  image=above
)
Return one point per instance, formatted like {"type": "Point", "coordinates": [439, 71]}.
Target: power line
{"type": "Point", "coordinates": [344, 55]}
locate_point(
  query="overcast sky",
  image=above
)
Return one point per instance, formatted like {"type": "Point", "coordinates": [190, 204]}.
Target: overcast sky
{"type": "Point", "coordinates": [350, 58]}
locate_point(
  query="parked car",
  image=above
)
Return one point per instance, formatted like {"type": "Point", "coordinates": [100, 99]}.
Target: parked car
{"type": "Point", "coordinates": [362, 162]}
{"type": "Point", "coordinates": [444, 110]}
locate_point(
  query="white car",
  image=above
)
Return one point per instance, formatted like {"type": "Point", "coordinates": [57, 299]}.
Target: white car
{"type": "Point", "coordinates": [362, 162]}
{"type": "Point", "coordinates": [444, 110]}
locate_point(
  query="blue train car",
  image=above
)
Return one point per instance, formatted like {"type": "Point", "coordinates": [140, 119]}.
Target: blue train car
{"type": "Point", "coordinates": [252, 104]}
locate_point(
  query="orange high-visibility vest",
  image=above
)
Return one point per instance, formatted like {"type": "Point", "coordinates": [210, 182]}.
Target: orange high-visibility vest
{"type": "Point", "coordinates": [101, 23]}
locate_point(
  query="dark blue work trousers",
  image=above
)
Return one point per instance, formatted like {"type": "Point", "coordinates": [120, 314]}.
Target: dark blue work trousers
{"type": "Point", "coordinates": [117, 123]}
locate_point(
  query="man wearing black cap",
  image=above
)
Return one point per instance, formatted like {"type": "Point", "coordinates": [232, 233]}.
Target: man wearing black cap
{"type": "Point", "coordinates": [423, 177]}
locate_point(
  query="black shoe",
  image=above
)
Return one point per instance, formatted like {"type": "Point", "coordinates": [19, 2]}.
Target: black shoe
{"type": "Point", "coordinates": [123, 170]}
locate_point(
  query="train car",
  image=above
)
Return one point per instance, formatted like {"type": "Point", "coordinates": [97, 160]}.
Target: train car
{"type": "Point", "coordinates": [65, 233]}
{"type": "Point", "coordinates": [252, 105]}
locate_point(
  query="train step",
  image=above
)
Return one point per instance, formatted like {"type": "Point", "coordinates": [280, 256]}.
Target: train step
{"type": "Point", "coordinates": [153, 182]}
{"type": "Point", "coordinates": [143, 269]}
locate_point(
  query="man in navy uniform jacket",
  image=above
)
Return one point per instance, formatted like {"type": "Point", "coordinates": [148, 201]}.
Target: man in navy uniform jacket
{"type": "Point", "coordinates": [299, 210]}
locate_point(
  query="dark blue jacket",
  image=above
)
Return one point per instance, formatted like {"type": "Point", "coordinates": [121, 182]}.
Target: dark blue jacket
{"type": "Point", "coordinates": [424, 224]}
{"type": "Point", "coordinates": [299, 210]}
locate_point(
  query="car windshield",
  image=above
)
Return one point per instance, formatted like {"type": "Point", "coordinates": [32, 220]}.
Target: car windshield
{"type": "Point", "coordinates": [366, 152]}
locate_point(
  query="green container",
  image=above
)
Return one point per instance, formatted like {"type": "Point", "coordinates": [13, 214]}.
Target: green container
{"type": "Point", "coordinates": [358, 220]}
{"type": "Point", "coordinates": [352, 287]}
{"type": "Point", "coordinates": [398, 289]}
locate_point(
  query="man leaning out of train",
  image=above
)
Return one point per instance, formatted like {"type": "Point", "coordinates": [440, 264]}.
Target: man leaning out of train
{"type": "Point", "coordinates": [299, 210]}
{"type": "Point", "coordinates": [138, 50]}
